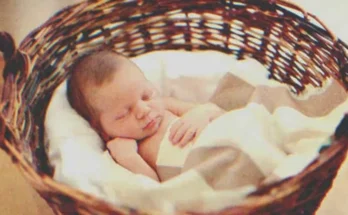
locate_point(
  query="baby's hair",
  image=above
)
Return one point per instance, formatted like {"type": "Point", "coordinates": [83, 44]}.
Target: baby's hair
{"type": "Point", "coordinates": [91, 70]}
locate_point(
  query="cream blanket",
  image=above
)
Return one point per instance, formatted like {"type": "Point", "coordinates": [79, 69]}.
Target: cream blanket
{"type": "Point", "coordinates": [239, 148]}
{"type": "Point", "coordinates": [267, 132]}
{"type": "Point", "coordinates": [259, 136]}
{"type": "Point", "coordinates": [245, 145]}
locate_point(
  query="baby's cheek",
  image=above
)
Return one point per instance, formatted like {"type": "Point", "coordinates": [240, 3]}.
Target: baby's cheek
{"type": "Point", "coordinates": [128, 127]}
{"type": "Point", "coordinates": [113, 130]}
{"type": "Point", "coordinates": [110, 133]}
{"type": "Point", "coordinates": [159, 105]}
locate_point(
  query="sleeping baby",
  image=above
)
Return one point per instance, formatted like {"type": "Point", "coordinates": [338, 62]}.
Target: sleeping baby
{"type": "Point", "coordinates": [136, 122]}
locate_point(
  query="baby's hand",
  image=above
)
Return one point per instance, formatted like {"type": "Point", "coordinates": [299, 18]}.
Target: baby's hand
{"type": "Point", "coordinates": [121, 147]}
{"type": "Point", "coordinates": [191, 124]}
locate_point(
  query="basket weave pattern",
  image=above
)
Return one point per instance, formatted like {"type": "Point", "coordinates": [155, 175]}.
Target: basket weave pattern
{"type": "Point", "coordinates": [292, 44]}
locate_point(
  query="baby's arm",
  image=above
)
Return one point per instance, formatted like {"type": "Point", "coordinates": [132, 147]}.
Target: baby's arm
{"type": "Point", "coordinates": [194, 118]}
{"type": "Point", "coordinates": [179, 107]}
{"type": "Point", "coordinates": [124, 152]}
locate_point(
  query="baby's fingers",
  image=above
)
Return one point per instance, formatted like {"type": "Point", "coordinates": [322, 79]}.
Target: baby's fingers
{"type": "Point", "coordinates": [189, 135]}
{"type": "Point", "coordinates": [179, 133]}
{"type": "Point", "coordinates": [175, 127]}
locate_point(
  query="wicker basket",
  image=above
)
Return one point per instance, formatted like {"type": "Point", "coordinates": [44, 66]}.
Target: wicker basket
{"type": "Point", "coordinates": [294, 45]}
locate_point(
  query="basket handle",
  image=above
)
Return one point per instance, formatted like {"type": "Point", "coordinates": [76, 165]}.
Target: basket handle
{"type": "Point", "coordinates": [15, 67]}
{"type": "Point", "coordinates": [16, 62]}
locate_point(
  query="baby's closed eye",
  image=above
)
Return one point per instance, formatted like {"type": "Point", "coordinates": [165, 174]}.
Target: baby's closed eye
{"type": "Point", "coordinates": [121, 116]}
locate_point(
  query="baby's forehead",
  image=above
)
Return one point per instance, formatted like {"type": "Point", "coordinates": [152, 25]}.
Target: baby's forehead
{"type": "Point", "coordinates": [118, 93]}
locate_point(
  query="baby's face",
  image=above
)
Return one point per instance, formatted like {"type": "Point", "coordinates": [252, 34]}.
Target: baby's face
{"type": "Point", "coordinates": [129, 106]}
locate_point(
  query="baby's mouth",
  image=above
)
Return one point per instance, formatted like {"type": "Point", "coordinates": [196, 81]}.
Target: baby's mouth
{"type": "Point", "coordinates": [150, 124]}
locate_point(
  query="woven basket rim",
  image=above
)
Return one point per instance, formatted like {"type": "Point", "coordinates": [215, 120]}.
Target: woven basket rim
{"type": "Point", "coordinates": [30, 58]}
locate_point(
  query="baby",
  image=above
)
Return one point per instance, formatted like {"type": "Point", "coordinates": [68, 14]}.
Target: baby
{"type": "Point", "coordinates": [128, 112]}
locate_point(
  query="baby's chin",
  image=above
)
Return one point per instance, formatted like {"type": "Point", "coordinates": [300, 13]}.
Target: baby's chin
{"type": "Point", "coordinates": [153, 130]}
{"type": "Point", "coordinates": [141, 134]}
{"type": "Point", "coordinates": [145, 136]}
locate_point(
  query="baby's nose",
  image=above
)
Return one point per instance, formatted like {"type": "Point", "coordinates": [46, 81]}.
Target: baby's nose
{"type": "Point", "coordinates": [143, 110]}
